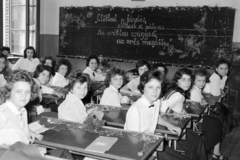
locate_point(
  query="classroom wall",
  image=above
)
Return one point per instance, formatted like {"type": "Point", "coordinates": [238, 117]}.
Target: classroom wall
{"type": "Point", "coordinates": [49, 21]}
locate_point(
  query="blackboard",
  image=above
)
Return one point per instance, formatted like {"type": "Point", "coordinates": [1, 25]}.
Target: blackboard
{"type": "Point", "coordinates": [172, 35]}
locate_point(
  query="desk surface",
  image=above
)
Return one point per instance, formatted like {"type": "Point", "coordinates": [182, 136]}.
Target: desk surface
{"type": "Point", "coordinates": [71, 136]}
{"type": "Point", "coordinates": [50, 96]}
{"type": "Point", "coordinates": [116, 118]}
{"type": "Point", "coordinates": [195, 109]}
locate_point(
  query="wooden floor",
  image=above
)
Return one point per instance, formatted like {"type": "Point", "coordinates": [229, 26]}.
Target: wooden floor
{"type": "Point", "coordinates": [231, 144]}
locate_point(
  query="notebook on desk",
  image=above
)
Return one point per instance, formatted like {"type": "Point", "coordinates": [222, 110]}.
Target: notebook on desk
{"type": "Point", "coordinates": [101, 144]}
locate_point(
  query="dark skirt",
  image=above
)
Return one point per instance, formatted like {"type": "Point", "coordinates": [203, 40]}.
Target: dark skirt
{"type": "Point", "coordinates": [212, 131]}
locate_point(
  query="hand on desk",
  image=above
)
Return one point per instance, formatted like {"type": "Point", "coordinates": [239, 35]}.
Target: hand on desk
{"type": "Point", "coordinates": [98, 114]}
{"type": "Point", "coordinates": [34, 136]}
{"type": "Point", "coordinates": [173, 128]}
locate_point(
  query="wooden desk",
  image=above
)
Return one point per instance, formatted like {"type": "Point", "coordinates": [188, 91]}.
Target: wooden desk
{"type": "Point", "coordinates": [195, 109]}
{"type": "Point", "coordinates": [116, 117]}
{"type": "Point", "coordinates": [50, 96]}
{"type": "Point", "coordinates": [97, 86]}
{"type": "Point", "coordinates": [71, 136]}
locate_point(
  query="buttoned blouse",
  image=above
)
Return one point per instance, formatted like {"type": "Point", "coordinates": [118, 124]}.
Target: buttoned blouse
{"type": "Point", "coordinates": [26, 64]}
{"type": "Point", "coordinates": [111, 97]}
{"type": "Point", "coordinates": [59, 80]}
{"type": "Point", "coordinates": [72, 109]}
{"type": "Point", "coordinates": [13, 124]}
{"type": "Point", "coordinates": [217, 84]}
{"type": "Point", "coordinates": [94, 76]}
{"type": "Point", "coordinates": [196, 94]}
{"type": "Point", "coordinates": [141, 118]}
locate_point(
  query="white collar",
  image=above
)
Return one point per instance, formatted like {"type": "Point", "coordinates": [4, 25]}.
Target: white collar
{"type": "Point", "coordinates": [14, 109]}
{"type": "Point", "coordinates": [198, 89]}
{"type": "Point", "coordinates": [146, 102]}
{"type": "Point", "coordinates": [58, 74]}
{"type": "Point", "coordinates": [88, 68]}
{"type": "Point", "coordinates": [73, 96]}
{"type": "Point", "coordinates": [113, 88]}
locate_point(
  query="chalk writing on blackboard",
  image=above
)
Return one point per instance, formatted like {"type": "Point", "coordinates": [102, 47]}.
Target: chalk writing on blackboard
{"type": "Point", "coordinates": [186, 35]}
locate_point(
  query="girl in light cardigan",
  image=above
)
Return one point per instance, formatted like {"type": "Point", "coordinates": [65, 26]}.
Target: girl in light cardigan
{"type": "Point", "coordinates": [72, 108]}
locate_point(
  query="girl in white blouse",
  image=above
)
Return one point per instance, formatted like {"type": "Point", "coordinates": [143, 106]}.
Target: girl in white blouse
{"type": "Point", "coordinates": [143, 116]}
{"type": "Point", "coordinates": [181, 83]}
{"type": "Point", "coordinates": [92, 64]}
{"type": "Point", "coordinates": [41, 77]}
{"type": "Point", "coordinates": [29, 62]}
{"type": "Point", "coordinates": [218, 78]}
{"type": "Point", "coordinates": [72, 108]}
{"type": "Point", "coordinates": [63, 68]}
{"type": "Point", "coordinates": [114, 81]}
{"type": "Point", "coordinates": [132, 86]}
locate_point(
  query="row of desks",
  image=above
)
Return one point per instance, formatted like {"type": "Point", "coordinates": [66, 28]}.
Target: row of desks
{"type": "Point", "coordinates": [129, 145]}
{"type": "Point", "coordinates": [73, 137]}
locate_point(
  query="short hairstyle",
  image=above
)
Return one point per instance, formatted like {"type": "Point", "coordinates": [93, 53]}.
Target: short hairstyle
{"type": "Point", "coordinates": [222, 61]}
{"type": "Point", "coordinates": [16, 76]}
{"type": "Point", "coordinates": [201, 72]}
{"type": "Point", "coordinates": [147, 76]}
{"type": "Point", "coordinates": [65, 62]}
{"type": "Point", "coordinates": [45, 58]}
{"type": "Point", "coordinates": [5, 48]}
{"type": "Point", "coordinates": [112, 73]}
{"type": "Point", "coordinates": [78, 77]}
{"type": "Point", "coordinates": [178, 75]}
{"type": "Point", "coordinates": [31, 48]}
{"type": "Point", "coordinates": [92, 57]}
{"type": "Point", "coordinates": [161, 65]}
{"type": "Point", "coordinates": [141, 63]}
{"type": "Point", "coordinates": [40, 68]}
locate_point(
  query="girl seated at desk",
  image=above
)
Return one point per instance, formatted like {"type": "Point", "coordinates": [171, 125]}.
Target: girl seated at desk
{"type": "Point", "coordinates": [15, 95]}
{"type": "Point", "coordinates": [72, 108]}
{"type": "Point", "coordinates": [4, 70]}
{"type": "Point", "coordinates": [41, 77]}
{"type": "Point", "coordinates": [29, 62]}
{"type": "Point", "coordinates": [132, 87]}
{"type": "Point", "coordinates": [143, 116]}
{"type": "Point", "coordinates": [49, 61]}
{"type": "Point", "coordinates": [211, 126]}
{"type": "Point", "coordinates": [181, 83]}
{"type": "Point", "coordinates": [63, 68]}
{"type": "Point", "coordinates": [114, 81]}
{"type": "Point", "coordinates": [92, 64]}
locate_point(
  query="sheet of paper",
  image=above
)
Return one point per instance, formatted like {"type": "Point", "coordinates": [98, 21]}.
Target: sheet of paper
{"type": "Point", "coordinates": [38, 128]}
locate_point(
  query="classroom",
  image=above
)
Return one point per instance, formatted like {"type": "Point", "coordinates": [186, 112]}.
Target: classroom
{"type": "Point", "coordinates": [120, 79]}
